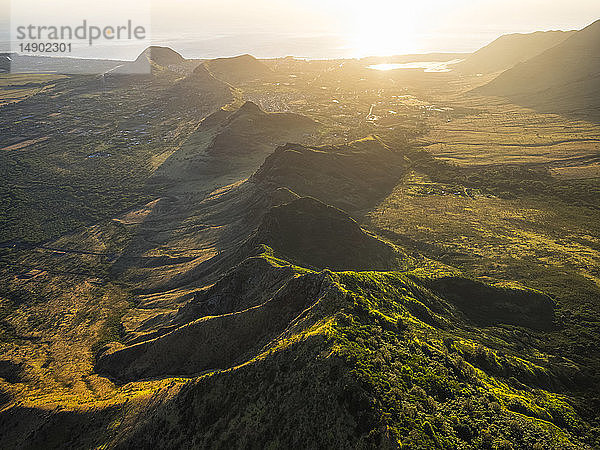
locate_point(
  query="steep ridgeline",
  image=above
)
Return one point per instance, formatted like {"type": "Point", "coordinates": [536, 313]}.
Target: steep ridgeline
{"type": "Point", "coordinates": [155, 60]}
{"type": "Point", "coordinates": [250, 129]}
{"type": "Point", "coordinates": [239, 69]}
{"type": "Point", "coordinates": [372, 359]}
{"type": "Point", "coordinates": [298, 230]}
{"type": "Point", "coordinates": [198, 88]}
{"type": "Point", "coordinates": [563, 79]}
{"type": "Point", "coordinates": [216, 342]}
{"type": "Point", "coordinates": [231, 140]}
{"type": "Point", "coordinates": [163, 56]}
{"type": "Point", "coordinates": [291, 354]}
{"type": "Point", "coordinates": [509, 50]}
{"type": "Point", "coordinates": [351, 177]}
{"type": "Point", "coordinates": [291, 347]}
{"type": "Point", "coordinates": [312, 234]}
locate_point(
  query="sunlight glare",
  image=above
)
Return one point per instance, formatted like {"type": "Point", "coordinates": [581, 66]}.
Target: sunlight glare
{"type": "Point", "coordinates": [381, 27]}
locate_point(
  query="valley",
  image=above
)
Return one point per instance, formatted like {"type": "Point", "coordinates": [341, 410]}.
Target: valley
{"type": "Point", "coordinates": [295, 253]}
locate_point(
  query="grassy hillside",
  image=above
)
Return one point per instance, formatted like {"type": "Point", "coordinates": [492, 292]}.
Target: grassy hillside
{"type": "Point", "coordinates": [375, 360]}
{"type": "Point", "coordinates": [564, 78]}
{"type": "Point", "coordinates": [79, 149]}
{"type": "Point", "coordinates": [238, 69]}
{"type": "Point", "coordinates": [509, 50]}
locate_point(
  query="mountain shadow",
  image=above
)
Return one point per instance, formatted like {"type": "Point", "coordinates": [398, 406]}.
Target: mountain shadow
{"type": "Point", "coordinates": [312, 234]}
{"type": "Point", "coordinates": [510, 50]}
{"type": "Point", "coordinates": [564, 79]}
{"type": "Point", "coordinates": [352, 177]}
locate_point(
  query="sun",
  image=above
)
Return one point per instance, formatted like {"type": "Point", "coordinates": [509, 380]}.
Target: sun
{"type": "Point", "coordinates": [374, 41]}
{"type": "Point", "coordinates": [380, 28]}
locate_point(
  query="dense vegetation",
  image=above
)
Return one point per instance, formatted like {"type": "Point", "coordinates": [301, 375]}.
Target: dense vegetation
{"type": "Point", "coordinates": [373, 366]}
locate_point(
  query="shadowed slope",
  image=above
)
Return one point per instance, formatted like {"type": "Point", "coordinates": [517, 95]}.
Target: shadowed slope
{"type": "Point", "coordinates": [312, 234]}
{"type": "Point", "coordinates": [230, 141]}
{"type": "Point", "coordinates": [511, 49]}
{"type": "Point", "coordinates": [200, 87]}
{"type": "Point", "coordinates": [238, 69]}
{"type": "Point", "coordinates": [352, 176]}
{"type": "Point", "coordinates": [163, 56]}
{"type": "Point", "coordinates": [486, 305]}
{"type": "Point", "coordinates": [154, 60]}
{"type": "Point", "coordinates": [216, 342]}
{"type": "Point", "coordinates": [564, 79]}
{"type": "Point", "coordinates": [357, 368]}
{"type": "Point", "coordinates": [249, 130]}
{"type": "Point", "coordinates": [249, 284]}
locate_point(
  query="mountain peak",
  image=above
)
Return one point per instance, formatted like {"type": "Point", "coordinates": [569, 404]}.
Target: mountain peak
{"type": "Point", "coordinates": [313, 233]}
{"type": "Point", "coordinates": [237, 69]}
{"type": "Point", "coordinates": [511, 49]}
{"type": "Point", "coordinates": [250, 107]}
{"type": "Point", "coordinates": [563, 79]}
{"type": "Point", "coordinates": [202, 72]}
{"type": "Point", "coordinates": [162, 56]}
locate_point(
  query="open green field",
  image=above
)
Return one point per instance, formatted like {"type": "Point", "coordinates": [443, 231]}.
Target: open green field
{"type": "Point", "coordinates": [18, 87]}
{"type": "Point", "coordinates": [501, 133]}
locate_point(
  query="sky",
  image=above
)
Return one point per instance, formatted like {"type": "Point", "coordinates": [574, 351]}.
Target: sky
{"type": "Point", "coordinates": [338, 28]}
{"type": "Point", "coordinates": [373, 27]}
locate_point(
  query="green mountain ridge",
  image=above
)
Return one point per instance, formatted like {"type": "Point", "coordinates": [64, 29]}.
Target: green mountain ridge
{"type": "Point", "coordinates": [367, 362]}
{"type": "Point", "coordinates": [415, 358]}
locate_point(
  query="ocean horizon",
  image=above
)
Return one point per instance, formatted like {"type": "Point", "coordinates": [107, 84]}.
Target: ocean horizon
{"type": "Point", "coordinates": [274, 45]}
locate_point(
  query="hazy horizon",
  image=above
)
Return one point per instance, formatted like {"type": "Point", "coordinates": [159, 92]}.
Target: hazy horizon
{"type": "Point", "coordinates": [337, 29]}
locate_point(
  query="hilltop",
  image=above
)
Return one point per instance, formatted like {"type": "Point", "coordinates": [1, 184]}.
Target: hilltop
{"type": "Point", "coordinates": [238, 69]}
{"type": "Point", "coordinates": [199, 87]}
{"type": "Point", "coordinates": [318, 256]}
{"type": "Point", "coordinates": [233, 137]}
{"type": "Point", "coordinates": [564, 78]}
{"type": "Point", "coordinates": [350, 176]}
{"type": "Point", "coordinates": [163, 56]}
{"type": "Point", "coordinates": [154, 60]}
{"type": "Point", "coordinates": [309, 233]}
{"type": "Point", "coordinates": [249, 128]}
{"type": "Point", "coordinates": [509, 50]}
